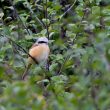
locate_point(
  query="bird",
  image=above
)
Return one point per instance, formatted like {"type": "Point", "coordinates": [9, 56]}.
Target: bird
{"type": "Point", "coordinates": [38, 53]}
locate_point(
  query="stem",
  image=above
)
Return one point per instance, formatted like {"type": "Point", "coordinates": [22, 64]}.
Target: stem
{"type": "Point", "coordinates": [67, 10]}
{"type": "Point", "coordinates": [40, 22]}
{"type": "Point", "coordinates": [20, 48]}
{"type": "Point", "coordinates": [63, 64]}
{"type": "Point", "coordinates": [46, 16]}
{"type": "Point", "coordinates": [23, 24]}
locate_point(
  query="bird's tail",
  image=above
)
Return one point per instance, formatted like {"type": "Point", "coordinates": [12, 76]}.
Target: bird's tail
{"type": "Point", "coordinates": [26, 71]}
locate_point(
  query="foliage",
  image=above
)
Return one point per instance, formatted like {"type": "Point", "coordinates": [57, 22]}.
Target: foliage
{"type": "Point", "coordinates": [79, 63]}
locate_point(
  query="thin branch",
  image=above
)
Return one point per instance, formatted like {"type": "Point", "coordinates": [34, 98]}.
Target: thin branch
{"type": "Point", "coordinates": [40, 21]}
{"type": "Point", "coordinates": [21, 48]}
{"type": "Point", "coordinates": [20, 18]}
{"type": "Point", "coordinates": [62, 66]}
{"type": "Point", "coordinates": [23, 23]}
{"type": "Point", "coordinates": [19, 55]}
{"type": "Point", "coordinates": [46, 16]}
{"type": "Point", "coordinates": [67, 10]}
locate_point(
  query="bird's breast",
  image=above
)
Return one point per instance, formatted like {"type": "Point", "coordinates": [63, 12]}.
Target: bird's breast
{"type": "Point", "coordinates": [40, 52]}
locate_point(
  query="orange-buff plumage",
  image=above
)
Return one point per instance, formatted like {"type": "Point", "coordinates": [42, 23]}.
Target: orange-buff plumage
{"type": "Point", "coordinates": [39, 51]}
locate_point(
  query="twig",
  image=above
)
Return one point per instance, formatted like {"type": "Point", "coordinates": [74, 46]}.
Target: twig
{"type": "Point", "coordinates": [20, 48]}
{"type": "Point", "coordinates": [67, 10]}
{"type": "Point", "coordinates": [20, 18]}
{"type": "Point", "coordinates": [46, 16]}
{"type": "Point", "coordinates": [23, 50]}
{"type": "Point", "coordinates": [19, 55]}
{"type": "Point", "coordinates": [40, 22]}
{"type": "Point", "coordinates": [23, 23]}
{"type": "Point", "coordinates": [63, 64]}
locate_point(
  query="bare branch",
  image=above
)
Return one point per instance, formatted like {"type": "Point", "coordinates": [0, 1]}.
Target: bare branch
{"type": "Point", "coordinates": [67, 10]}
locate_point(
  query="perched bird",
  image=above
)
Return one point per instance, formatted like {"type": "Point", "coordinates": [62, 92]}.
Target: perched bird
{"type": "Point", "coordinates": [39, 52]}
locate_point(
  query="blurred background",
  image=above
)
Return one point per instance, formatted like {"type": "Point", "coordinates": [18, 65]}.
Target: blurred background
{"type": "Point", "coordinates": [79, 62]}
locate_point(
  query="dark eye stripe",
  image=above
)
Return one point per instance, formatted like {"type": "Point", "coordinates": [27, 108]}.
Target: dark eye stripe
{"type": "Point", "coordinates": [40, 42]}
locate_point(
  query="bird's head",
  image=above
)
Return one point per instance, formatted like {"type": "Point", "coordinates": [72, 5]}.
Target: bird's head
{"type": "Point", "coordinates": [42, 40]}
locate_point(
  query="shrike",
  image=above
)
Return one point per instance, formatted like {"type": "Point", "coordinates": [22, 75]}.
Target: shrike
{"type": "Point", "coordinates": [39, 51]}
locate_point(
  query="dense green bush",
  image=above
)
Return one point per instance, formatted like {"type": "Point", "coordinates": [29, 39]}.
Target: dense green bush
{"type": "Point", "coordinates": [79, 62]}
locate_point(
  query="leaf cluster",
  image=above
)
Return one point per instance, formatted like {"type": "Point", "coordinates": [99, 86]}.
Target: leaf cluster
{"type": "Point", "coordinates": [79, 62]}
